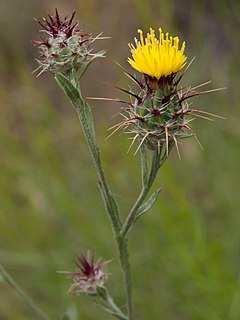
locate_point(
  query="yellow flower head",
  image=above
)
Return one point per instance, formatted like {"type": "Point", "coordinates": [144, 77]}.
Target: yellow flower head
{"type": "Point", "coordinates": [157, 58]}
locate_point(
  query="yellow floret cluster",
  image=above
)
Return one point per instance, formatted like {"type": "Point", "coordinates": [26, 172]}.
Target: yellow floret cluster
{"type": "Point", "coordinates": [157, 57]}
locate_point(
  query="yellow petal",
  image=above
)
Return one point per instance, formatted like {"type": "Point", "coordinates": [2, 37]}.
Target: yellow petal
{"type": "Point", "coordinates": [157, 57]}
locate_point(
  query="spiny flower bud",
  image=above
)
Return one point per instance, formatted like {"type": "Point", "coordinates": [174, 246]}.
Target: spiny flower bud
{"type": "Point", "coordinates": [88, 276]}
{"type": "Point", "coordinates": [64, 47]}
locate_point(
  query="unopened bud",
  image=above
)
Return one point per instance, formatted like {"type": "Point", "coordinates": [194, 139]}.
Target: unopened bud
{"type": "Point", "coordinates": [88, 277]}
{"type": "Point", "coordinates": [63, 47]}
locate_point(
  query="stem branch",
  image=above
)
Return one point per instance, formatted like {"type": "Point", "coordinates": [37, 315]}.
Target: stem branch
{"type": "Point", "coordinates": [156, 164]}
{"type": "Point", "coordinates": [147, 182]}
{"type": "Point", "coordinates": [85, 116]}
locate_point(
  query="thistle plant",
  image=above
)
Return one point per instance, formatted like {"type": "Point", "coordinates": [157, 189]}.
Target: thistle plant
{"type": "Point", "coordinates": [157, 116]}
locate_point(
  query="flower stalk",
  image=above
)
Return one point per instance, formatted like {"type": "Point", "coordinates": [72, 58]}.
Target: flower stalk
{"type": "Point", "coordinates": [147, 182]}
{"type": "Point", "coordinates": [85, 117]}
{"type": "Point", "coordinates": [110, 305]}
{"type": "Point", "coordinates": [86, 120]}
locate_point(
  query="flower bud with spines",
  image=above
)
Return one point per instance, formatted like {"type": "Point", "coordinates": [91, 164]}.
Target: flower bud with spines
{"type": "Point", "coordinates": [155, 117]}
{"type": "Point", "coordinates": [88, 277]}
{"type": "Point", "coordinates": [64, 47]}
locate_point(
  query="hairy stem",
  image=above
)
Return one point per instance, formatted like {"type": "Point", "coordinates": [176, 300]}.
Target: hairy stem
{"type": "Point", "coordinates": [126, 268]}
{"type": "Point", "coordinates": [123, 244]}
{"type": "Point", "coordinates": [147, 181]}
{"type": "Point", "coordinates": [110, 304]}
{"type": "Point", "coordinates": [85, 117]}
{"type": "Point", "coordinates": [86, 120]}
{"type": "Point", "coordinates": [156, 163]}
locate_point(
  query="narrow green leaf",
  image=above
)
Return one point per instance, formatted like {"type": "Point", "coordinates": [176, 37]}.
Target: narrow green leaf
{"type": "Point", "coordinates": [110, 307]}
{"type": "Point", "coordinates": [110, 204]}
{"type": "Point", "coordinates": [69, 89]}
{"type": "Point", "coordinates": [86, 119]}
{"type": "Point", "coordinates": [76, 99]}
{"type": "Point", "coordinates": [102, 292]}
{"type": "Point", "coordinates": [89, 118]}
{"type": "Point", "coordinates": [113, 313]}
{"type": "Point", "coordinates": [74, 77]}
{"type": "Point", "coordinates": [148, 204]}
{"type": "Point", "coordinates": [82, 108]}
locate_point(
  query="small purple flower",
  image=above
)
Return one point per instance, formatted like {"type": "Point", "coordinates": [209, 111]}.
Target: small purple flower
{"type": "Point", "coordinates": [88, 276]}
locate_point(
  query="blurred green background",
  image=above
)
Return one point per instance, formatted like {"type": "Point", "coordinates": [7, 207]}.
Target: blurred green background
{"type": "Point", "coordinates": [185, 254]}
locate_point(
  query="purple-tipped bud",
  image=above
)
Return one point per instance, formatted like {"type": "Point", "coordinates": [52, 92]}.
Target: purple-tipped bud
{"type": "Point", "coordinates": [63, 46]}
{"type": "Point", "coordinates": [88, 276]}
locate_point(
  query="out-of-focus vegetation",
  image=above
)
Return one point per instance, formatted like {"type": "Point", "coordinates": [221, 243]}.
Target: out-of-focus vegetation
{"type": "Point", "coordinates": [186, 252]}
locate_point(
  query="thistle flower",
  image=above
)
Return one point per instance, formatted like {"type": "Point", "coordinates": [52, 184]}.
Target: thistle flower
{"type": "Point", "coordinates": [159, 114]}
{"type": "Point", "coordinates": [63, 47]}
{"type": "Point", "coordinates": [157, 57]}
{"type": "Point", "coordinates": [88, 276]}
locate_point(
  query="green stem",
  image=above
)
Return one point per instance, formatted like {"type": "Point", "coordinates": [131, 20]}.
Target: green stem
{"type": "Point", "coordinates": [147, 181]}
{"type": "Point", "coordinates": [110, 204]}
{"type": "Point", "coordinates": [85, 117]}
{"type": "Point", "coordinates": [86, 120]}
{"type": "Point", "coordinates": [112, 210]}
{"type": "Point", "coordinates": [123, 247]}
{"type": "Point", "coordinates": [109, 201]}
{"type": "Point", "coordinates": [131, 216]}
{"type": "Point", "coordinates": [126, 268]}
{"type": "Point", "coordinates": [28, 301]}
{"type": "Point", "coordinates": [114, 307]}
{"type": "Point", "coordinates": [111, 305]}
{"type": "Point", "coordinates": [156, 164]}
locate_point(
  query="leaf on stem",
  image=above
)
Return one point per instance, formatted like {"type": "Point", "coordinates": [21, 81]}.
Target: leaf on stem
{"type": "Point", "coordinates": [109, 201]}
{"type": "Point", "coordinates": [110, 305]}
{"type": "Point", "coordinates": [82, 108]}
{"type": "Point", "coordinates": [69, 89]}
{"type": "Point", "coordinates": [148, 204]}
